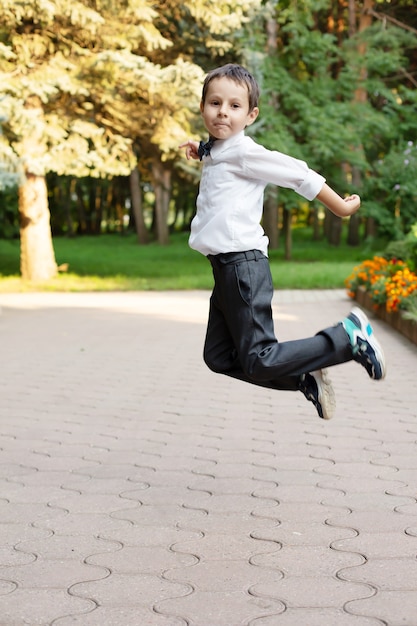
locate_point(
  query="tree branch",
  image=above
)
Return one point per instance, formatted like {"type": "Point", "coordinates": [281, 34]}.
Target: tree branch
{"type": "Point", "coordinates": [388, 18]}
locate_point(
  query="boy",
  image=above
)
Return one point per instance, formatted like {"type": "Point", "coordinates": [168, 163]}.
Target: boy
{"type": "Point", "coordinates": [240, 340]}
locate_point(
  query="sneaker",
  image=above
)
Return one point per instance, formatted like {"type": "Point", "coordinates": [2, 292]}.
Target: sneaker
{"type": "Point", "coordinates": [366, 349]}
{"type": "Point", "coordinates": [317, 388]}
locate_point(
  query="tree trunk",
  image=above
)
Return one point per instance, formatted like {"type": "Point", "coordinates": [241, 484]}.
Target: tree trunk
{"type": "Point", "coordinates": [361, 96]}
{"type": "Point", "coordinates": [270, 218]}
{"type": "Point", "coordinates": [67, 205]}
{"type": "Point", "coordinates": [137, 206]}
{"type": "Point", "coordinates": [333, 228]}
{"type": "Point", "coordinates": [371, 228]}
{"type": "Point", "coordinates": [81, 208]}
{"type": "Point", "coordinates": [271, 203]}
{"type": "Point", "coordinates": [365, 21]}
{"type": "Point", "coordinates": [353, 238]}
{"type": "Point", "coordinates": [286, 227]}
{"type": "Point", "coordinates": [37, 258]}
{"type": "Point", "coordinates": [162, 188]}
{"type": "Point", "coordinates": [316, 224]}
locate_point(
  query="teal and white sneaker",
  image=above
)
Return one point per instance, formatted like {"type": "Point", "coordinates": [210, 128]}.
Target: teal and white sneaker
{"type": "Point", "coordinates": [365, 347]}
{"type": "Point", "coordinates": [317, 388]}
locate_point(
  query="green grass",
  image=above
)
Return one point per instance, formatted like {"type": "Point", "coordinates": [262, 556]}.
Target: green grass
{"type": "Point", "coordinates": [118, 263]}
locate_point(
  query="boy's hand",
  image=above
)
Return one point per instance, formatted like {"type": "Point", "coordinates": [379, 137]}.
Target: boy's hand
{"type": "Point", "coordinates": [353, 203]}
{"type": "Point", "coordinates": [191, 149]}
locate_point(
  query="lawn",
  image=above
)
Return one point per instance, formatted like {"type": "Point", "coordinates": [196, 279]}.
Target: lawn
{"type": "Point", "coordinates": [118, 263]}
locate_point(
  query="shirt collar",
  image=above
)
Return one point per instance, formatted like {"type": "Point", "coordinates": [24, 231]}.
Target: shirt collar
{"type": "Point", "coordinates": [220, 145]}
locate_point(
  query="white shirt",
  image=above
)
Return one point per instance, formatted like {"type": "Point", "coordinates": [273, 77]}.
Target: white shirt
{"type": "Point", "coordinates": [230, 199]}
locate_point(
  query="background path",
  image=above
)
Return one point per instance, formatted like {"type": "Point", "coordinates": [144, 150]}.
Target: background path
{"type": "Point", "coordinates": [136, 487]}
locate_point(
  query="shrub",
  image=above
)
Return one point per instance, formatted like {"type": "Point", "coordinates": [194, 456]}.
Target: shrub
{"type": "Point", "coordinates": [405, 249]}
{"type": "Point", "coordinates": [389, 282]}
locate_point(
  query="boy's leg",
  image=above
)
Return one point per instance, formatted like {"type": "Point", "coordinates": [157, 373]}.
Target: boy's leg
{"type": "Point", "coordinates": [221, 356]}
{"type": "Point", "coordinates": [241, 342]}
{"type": "Point", "coordinates": [243, 295]}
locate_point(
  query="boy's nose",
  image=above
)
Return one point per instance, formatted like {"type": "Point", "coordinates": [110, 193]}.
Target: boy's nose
{"type": "Point", "coordinates": [223, 110]}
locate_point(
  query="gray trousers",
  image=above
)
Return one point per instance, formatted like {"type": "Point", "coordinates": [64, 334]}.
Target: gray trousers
{"type": "Point", "coordinates": [240, 340]}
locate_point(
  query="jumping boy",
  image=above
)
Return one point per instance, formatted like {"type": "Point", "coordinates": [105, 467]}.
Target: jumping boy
{"type": "Point", "coordinates": [240, 340]}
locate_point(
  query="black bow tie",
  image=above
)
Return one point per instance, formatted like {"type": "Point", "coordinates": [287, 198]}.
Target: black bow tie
{"type": "Point", "coordinates": [204, 148]}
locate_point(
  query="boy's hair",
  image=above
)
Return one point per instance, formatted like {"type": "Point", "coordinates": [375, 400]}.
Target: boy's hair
{"type": "Point", "coordinates": [240, 75]}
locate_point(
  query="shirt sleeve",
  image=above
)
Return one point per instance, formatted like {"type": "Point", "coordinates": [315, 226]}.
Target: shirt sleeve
{"type": "Point", "coordinates": [282, 170]}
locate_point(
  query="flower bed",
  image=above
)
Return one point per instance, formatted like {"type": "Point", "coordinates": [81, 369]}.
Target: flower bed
{"type": "Point", "coordinates": [396, 320]}
{"type": "Point", "coordinates": [389, 289]}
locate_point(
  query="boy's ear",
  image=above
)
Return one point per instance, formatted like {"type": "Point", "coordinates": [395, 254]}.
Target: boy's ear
{"type": "Point", "coordinates": [252, 116]}
{"type": "Point", "coordinates": [201, 106]}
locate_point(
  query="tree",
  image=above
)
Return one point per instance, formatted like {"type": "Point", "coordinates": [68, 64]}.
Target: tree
{"type": "Point", "coordinates": [47, 50]}
{"type": "Point", "coordinates": [86, 88]}
{"type": "Point", "coordinates": [342, 93]}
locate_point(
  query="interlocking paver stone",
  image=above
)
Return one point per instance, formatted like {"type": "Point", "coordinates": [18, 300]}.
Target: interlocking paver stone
{"type": "Point", "coordinates": [393, 574]}
{"type": "Point", "coordinates": [121, 616]}
{"type": "Point", "coordinates": [130, 589]}
{"type": "Point", "coordinates": [387, 545]}
{"type": "Point", "coordinates": [224, 575]}
{"type": "Point", "coordinates": [205, 608]}
{"type": "Point", "coordinates": [315, 617]}
{"type": "Point", "coordinates": [312, 591]}
{"type": "Point", "coordinates": [312, 560]}
{"type": "Point", "coordinates": [36, 607]}
{"type": "Point", "coordinates": [138, 488]}
{"type": "Point", "coordinates": [37, 574]}
{"type": "Point", "coordinates": [396, 608]}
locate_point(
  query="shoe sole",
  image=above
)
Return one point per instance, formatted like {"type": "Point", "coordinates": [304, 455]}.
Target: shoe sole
{"type": "Point", "coordinates": [326, 395]}
{"type": "Point", "coordinates": [372, 340]}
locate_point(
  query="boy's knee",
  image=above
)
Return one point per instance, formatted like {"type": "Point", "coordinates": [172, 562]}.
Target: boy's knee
{"type": "Point", "coordinates": [219, 365]}
{"type": "Point", "coordinates": [211, 364]}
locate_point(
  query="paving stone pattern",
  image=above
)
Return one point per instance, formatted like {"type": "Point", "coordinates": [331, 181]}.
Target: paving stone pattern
{"type": "Point", "coordinates": [138, 488]}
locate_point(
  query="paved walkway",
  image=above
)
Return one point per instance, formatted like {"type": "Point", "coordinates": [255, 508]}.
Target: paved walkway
{"type": "Point", "coordinates": [138, 488]}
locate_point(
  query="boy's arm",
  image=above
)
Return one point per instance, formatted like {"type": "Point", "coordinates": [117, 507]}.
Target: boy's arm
{"type": "Point", "coordinates": [343, 207]}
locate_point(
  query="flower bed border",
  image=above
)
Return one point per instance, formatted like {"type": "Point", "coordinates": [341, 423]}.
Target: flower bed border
{"type": "Point", "coordinates": [396, 320]}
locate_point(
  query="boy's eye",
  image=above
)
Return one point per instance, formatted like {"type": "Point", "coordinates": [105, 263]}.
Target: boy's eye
{"type": "Point", "coordinates": [216, 103]}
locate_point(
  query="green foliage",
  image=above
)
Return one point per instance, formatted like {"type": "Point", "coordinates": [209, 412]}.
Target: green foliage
{"type": "Point", "coordinates": [343, 103]}
{"type": "Point", "coordinates": [310, 123]}
{"type": "Point", "coordinates": [404, 249]}
{"type": "Point", "coordinates": [44, 90]}
{"type": "Point", "coordinates": [8, 164]}
{"type": "Point", "coordinates": [9, 223]}
{"type": "Point", "coordinates": [393, 185]}
{"type": "Point", "coordinates": [410, 308]}
{"type": "Point", "coordinates": [80, 85]}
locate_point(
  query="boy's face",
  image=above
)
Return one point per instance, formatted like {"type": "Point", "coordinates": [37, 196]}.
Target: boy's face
{"type": "Point", "coordinates": [226, 108]}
